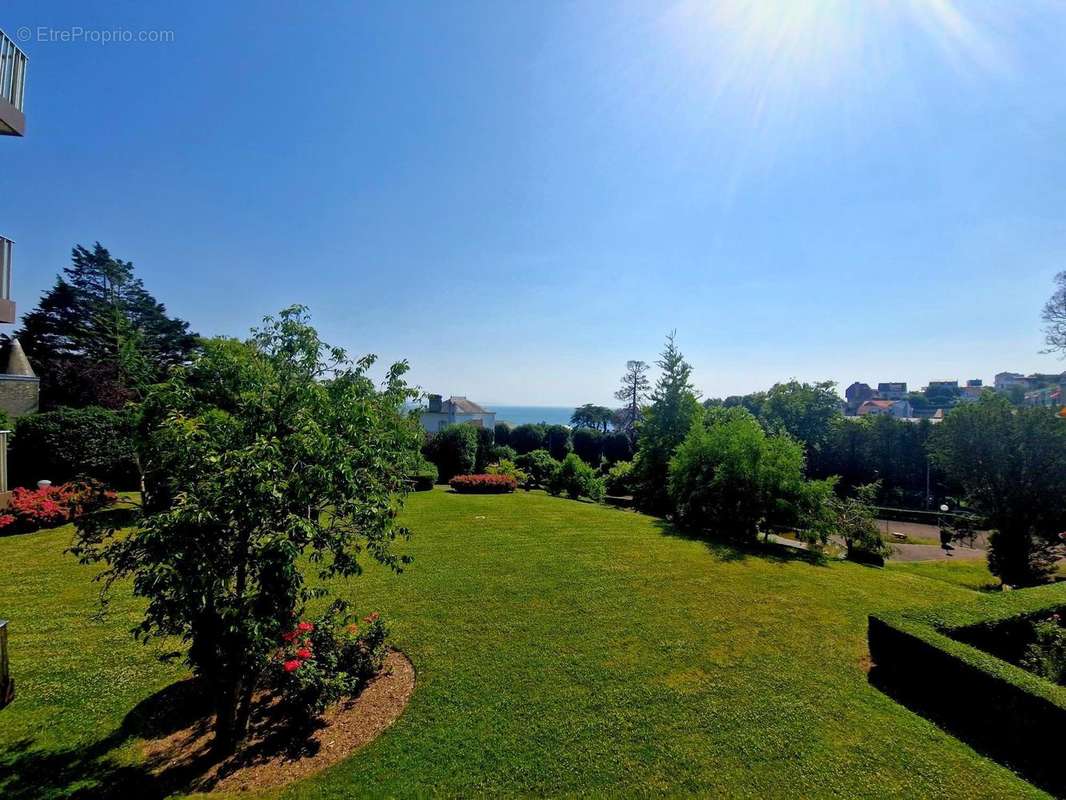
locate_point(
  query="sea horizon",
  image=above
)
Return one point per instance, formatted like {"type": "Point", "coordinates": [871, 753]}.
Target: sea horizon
{"type": "Point", "coordinates": [523, 415]}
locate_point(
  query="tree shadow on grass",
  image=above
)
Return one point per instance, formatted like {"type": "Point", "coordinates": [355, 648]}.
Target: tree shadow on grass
{"type": "Point", "coordinates": [728, 550]}
{"type": "Point", "coordinates": [969, 723]}
{"type": "Point", "coordinates": [175, 725]}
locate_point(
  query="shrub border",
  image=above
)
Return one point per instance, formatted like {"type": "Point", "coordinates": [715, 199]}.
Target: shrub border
{"type": "Point", "coordinates": [1015, 715]}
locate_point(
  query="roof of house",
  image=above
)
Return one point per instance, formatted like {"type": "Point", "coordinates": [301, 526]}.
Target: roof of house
{"type": "Point", "coordinates": [461, 405]}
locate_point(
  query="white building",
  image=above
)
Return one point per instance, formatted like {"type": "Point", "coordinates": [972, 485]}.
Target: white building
{"type": "Point", "coordinates": [891, 408]}
{"type": "Point", "coordinates": [455, 410]}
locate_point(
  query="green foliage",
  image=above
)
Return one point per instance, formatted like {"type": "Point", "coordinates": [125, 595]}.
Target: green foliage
{"type": "Point", "coordinates": [619, 479]}
{"type": "Point", "coordinates": [527, 438]}
{"type": "Point", "coordinates": [617, 447]}
{"type": "Point", "coordinates": [1009, 465]}
{"type": "Point", "coordinates": [539, 466]}
{"type": "Point", "coordinates": [502, 453]}
{"type": "Point", "coordinates": [257, 455]}
{"type": "Point", "coordinates": [854, 520]}
{"type": "Point", "coordinates": [424, 475]}
{"type": "Point", "coordinates": [454, 450]}
{"type": "Point", "coordinates": [69, 443]}
{"type": "Point", "coordinates": [592, 416]}
{"type": "Point", "coordinates": [665, 424]}
{"type": "Point", "coordinates": [576, 479]}
{"type": "Point", "coordinates": [557, 441]}
{"type": "Point", "coordinates": [503, 434]}
{"type": "Point", "coordinates": [588, 444]}
{"type": "Point", "coordinates": [332, 659]}
{"type": "Point", "coordinates": [507, 467]}
{"type": "Point", "coordinates": [98, 337]}
{"type": "Point", "coordinates": [805, 411]}
{"type": "Point", "coordinates": [1046, 654]}
{"type": "Point", "coordinates": [731, 477]}
{"type": "Point", "coordinates": [486, 442]}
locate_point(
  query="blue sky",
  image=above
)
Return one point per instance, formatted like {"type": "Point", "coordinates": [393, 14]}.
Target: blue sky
{"type": "Point", "coordinates": [518, 197]}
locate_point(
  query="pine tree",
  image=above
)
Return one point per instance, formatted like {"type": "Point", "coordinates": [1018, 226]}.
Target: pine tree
{"type": "Point", "coordinates": [674, 407]}
{"type": "Point", "coordinates": [98, 334]}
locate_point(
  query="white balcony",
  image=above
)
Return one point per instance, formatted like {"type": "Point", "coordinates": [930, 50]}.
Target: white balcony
{"type": "Point", "coordinates": [12, 87]}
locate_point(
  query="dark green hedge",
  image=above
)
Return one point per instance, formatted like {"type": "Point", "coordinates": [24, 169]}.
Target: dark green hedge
{"type": "Point", "coordinates": [1011, 713]}
{"type": "Point", "coordinates": [71, 443]}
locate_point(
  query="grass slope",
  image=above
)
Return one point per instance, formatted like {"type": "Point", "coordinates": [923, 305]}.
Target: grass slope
{"type": "Point", "coordinates": [562, 648]}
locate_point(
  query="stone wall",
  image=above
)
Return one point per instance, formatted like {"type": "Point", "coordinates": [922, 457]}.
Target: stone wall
{"type": "Point", "coordinates": [19, 394]}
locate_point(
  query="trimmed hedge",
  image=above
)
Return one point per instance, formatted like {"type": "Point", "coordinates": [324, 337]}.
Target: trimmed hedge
{"type": "Point", "coordinates": [483, 484]}
{"type": "Point", "coordinates": [1016, 715]}
{"type": "Point", "coordinates": [72, 443]}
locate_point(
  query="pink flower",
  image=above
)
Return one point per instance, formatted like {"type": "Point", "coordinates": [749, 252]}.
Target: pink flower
{"type": "Point", "coordinates": [291, 665]}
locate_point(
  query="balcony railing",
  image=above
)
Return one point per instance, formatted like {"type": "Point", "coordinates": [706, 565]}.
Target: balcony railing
{"type": "Point", "coordinates": [7, 308]}
{"type": "Point", "coordinates": [12, 87]}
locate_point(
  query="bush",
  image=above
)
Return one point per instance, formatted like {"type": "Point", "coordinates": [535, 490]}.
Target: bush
{"type": "Point", "coordinates": [69, 443]}
{"type": "Point", "coordinates": [539, 466]}
{"type": "Point", "coordinates": [576, 479]}
{"type": "Point", "coordinates": [483, 484]}
{"type": "Point", "coordinates": [48, 506]}
{"type": "Point", "coordinates": [854, 520]}
{"type": "Point", "coordinates": [508, 467]}
{"type": "Point", "coordinates": [502, 453]}
{"type": "Point", "coordinates": [618, 482]}
{"type": "Point", "coordinates": [424, 475]}
{"type": "Point", "coordinates": [319, 663]}
{"type": "Point", "coordinates": [1046, 655]}
{"type": "Point", "coordinates": [454, 450]}
{"type": "Point", "coordinates": [527, 438]}
{"type": "Point", "coordinates": [588, 444]}
{"type": "Point", "coordinates": [729, 476]}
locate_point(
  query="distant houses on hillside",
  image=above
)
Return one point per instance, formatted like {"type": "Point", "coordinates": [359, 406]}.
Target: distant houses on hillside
{"type": "Point", "coordinates": [455, 409]}
{"type": "Point", "coordinates": [932, 402]}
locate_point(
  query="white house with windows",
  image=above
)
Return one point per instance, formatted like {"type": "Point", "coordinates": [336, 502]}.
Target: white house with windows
{"type": "Point", "coordinates": [455, 410]}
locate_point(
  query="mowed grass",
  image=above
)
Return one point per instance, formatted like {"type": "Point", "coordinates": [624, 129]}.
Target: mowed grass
{"type": "Point", "coordinates": [562, 648]}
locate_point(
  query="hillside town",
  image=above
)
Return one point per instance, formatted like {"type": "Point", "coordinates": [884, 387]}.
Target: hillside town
{"type": "Point", "coordinates": [892, 398]}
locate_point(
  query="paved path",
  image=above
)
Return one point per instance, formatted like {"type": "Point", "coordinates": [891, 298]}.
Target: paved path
{"type": "Point", "coordinates": [925, 552]}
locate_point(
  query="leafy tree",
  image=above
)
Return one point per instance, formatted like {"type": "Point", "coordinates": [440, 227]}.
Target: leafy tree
{"type": "Point", "coordinates": [257, 455]}
{"type": "Point", "coordinates": [557, 441]}
{"type": "Point", "coordinates": [666, 422]}
{"type": "Point", "coordinates": [592, 416]}
{"type": "Point", "coordinates": [805, 411]}
{"type": "Point", "coordinates": [731, 477]}
{"type": "Point", "coordinates": [538, 465]}
{"type": "Point", "coordinates": [633, 392]}
{"type": "Point", "coordinates": [588, 444]}
{"type": "Point", "coordinates": [98, 337]}
{"type": "Point", "coordinates": [1010, 467]}
{"type": "Point", "coordinates": [576, 479]}
{"type": "Point", "coordinates": [527, 438]}
{"type": "Point", "coordinates": [454, 449]}
{"type": "Point", "coordinates": [1055, 316]}
{"type": "Point", "coordinates": [855, 521]}
{"type": "Point", "coordinates": [618, 480]}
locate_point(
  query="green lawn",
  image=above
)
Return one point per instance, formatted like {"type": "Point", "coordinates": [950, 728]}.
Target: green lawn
{"type": "Point", "coordinates": [561, 647]}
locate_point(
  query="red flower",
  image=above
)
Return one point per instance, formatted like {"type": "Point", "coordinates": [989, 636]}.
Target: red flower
{"type": "Point", "coordinates": [373, 617]}
{"type": "Point", "coordinates": [303, 652]}
{"type": "Point", "coordinates": [6, 519]}
{"type": "Point", "coordinates": [288, 637]}
{"type": "Point", "coordinates": [291, 665]}
{"type": "Point", "coordinates": [304, 627]}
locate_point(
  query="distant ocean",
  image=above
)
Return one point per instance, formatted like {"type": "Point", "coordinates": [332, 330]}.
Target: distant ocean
{"type": "Point", "coordinates": [520, 415]}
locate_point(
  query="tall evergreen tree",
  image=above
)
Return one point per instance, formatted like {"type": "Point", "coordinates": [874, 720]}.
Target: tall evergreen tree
{"type": "Point", "coordinates": [665, 423]}
{"type": "Point", "coordinates": [98, 334]}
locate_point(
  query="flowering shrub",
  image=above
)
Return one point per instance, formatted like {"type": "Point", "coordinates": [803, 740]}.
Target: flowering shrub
{"type": "Point", "coordinates": [53, 505]}
{"type": "Point", "coordinates": [506, 466]}
{"type": "Point", "coordinates": [483, 484]}
{"type": "Point", "coordinates": [321, 662]}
